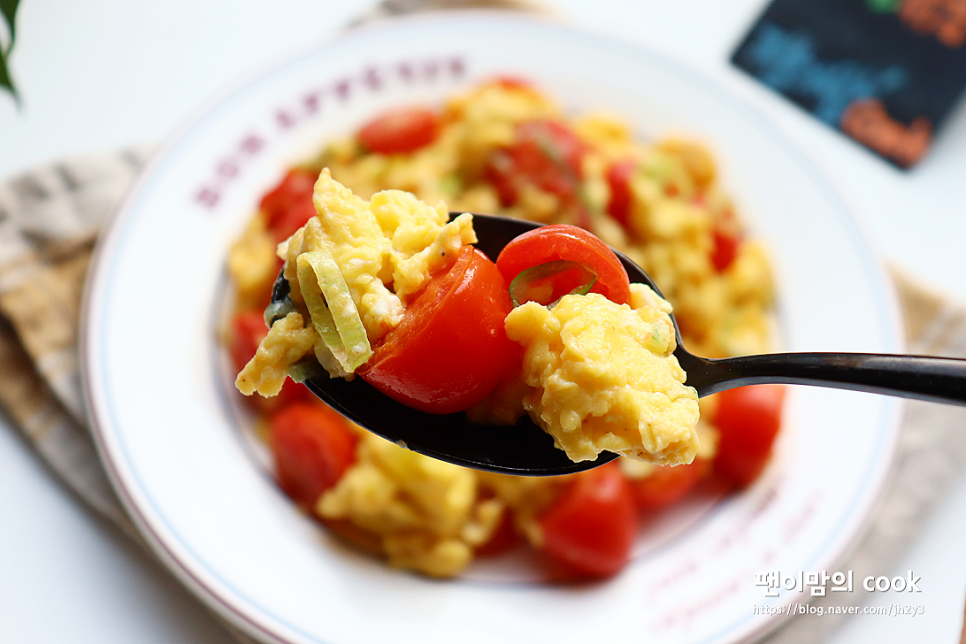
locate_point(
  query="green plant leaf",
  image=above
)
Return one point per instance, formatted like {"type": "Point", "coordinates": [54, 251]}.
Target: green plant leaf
{"type": "Point", "coordinates": [5, 81]}
{"type": "Point", "coordinates": [8, 9]}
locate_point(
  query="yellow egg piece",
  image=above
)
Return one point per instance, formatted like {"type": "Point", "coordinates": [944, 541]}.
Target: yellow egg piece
{"type": "Point", "coordinates": [602, 377]}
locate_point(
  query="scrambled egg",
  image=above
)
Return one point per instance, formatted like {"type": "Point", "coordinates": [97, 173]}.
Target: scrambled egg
{"type": "Point", "coordinates": [252, 264]}
{"type": "Point", "coordinates": [386, 249]}
{"type": "Point", "coordinates": [430, 516]}
{"type": "Point", "coordinates": [603, 377]}
{"type": "Point", "coordinates": [426, 513]}
{"type": "Point", "coordinates": [287, 342]}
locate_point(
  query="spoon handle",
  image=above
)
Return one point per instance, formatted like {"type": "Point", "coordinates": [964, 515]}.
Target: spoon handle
{"type": "Point", "coordinates": [921, 377]}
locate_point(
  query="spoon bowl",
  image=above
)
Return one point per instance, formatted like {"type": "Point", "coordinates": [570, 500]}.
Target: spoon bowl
{"type": "Point", "coordinates": [522, 449]}
{"type": "Point", "coordinates": [525, 449]}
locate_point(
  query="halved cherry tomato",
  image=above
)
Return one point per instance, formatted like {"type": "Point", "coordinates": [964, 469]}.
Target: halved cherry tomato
{"type": "Point", "coordinates": [747, 419]}
{"type": "Point", "coordinates": [563, 242]}
{"type": "Point", "coordinates": [591, 527]}
{"type": "Point", "coordinates": [289, 204]}
{"type": "Point", "coordinates": [546, 283]}
{"type": "Point", "coordinates": [313, 447]}
{"type": "Point", "coordinates": [668, 484]}
{"type": "Point", "coordinates": [450, 349]}
{"type": "Point", "coordinates": [545, 154]}
{"type": "Point", "coordinates": [400, 131]}
{"type": "Point", "coordinates": [247, 330]}
{"type": "Point", "coordinates": [619, 181]}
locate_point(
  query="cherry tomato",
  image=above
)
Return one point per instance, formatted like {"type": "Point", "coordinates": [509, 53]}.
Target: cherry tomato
{"type": "Point", "coordinates": [313, 447]}
{"type": "Point", "coordinates": [725, 248]}
{"type": "Point", "coordinates": [450, 349]}
{"type": "Point", "coordinates": [563, 242]}
{"type": "Point", "coordinates": [503, 538]}
{"type": "Point", "coordinates": [619, 181]}
{"type": "Point", "coordinates": [545, 154]}
{"type": "Point", "coordinates": [289, 204]}
{"type": "Point", "coordinates": [591, 527]}
{"type": "Point", "coordinates": [748, 419]}
{"type": "Point", "coordinates": [512, 82]}
{"type": "Point", "coordinates": [400, 131]}
{"type": "Point", "coordinates": [247, 330]}
{"type": "Point", "coordinates": [668, 484]}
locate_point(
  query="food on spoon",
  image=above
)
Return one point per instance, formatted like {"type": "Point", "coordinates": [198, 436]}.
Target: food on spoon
{"type": "Point", "coordinates": [505, 148]}
{"type": "Point", "coordinates": [602, 377]}
{"type": "Point", "coordinates": [396, 294]}
{"type": "Point", "coordinates": [600, 365]}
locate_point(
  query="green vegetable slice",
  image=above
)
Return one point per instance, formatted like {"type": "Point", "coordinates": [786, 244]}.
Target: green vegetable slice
{"type": "Point", "coordinates": [534, 284]}
{"type": "Point", "coordinates": [334, 314]}
{"type": "Point", "coordinates": [302, 371]}
{"type": "Point", "coordinates": [277, 311]}
{"type": "Point", "coordinates": [318, 311]}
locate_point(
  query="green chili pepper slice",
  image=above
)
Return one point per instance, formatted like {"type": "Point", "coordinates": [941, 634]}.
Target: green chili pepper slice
{"type": "Point", "coordinates": [541, 282]}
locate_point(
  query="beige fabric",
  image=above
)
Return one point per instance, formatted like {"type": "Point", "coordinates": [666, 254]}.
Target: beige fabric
{"type": "Point", "coordinates": [49, 219]}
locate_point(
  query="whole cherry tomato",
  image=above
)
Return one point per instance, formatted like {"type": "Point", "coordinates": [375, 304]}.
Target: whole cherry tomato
{"type": "Point", "coordinates": [289, 204]}
{"type": "Point", "coordinates": [450, 349]}
{"type": "Point", "coordinates": [545, 154]}
{"type": "Point", "coordinates": [562, 242]}
{"type": "Point", "coordinates": [313, 447]}
{"type": "Point", "coordinates": [400, 131]}
{"type": "Point", "coordinates": [747, 419]}
{"type": "Point", "coordinates": [668, 484]}
{"type": "Point", "coordinates": [591, 527]}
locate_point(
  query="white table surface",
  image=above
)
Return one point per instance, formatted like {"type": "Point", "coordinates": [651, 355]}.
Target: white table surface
{"type": "Point", "coordinates": [102, 74]}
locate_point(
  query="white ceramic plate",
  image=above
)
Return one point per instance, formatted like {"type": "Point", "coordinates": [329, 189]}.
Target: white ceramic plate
{"type": "Point", "coordinates": [170, 441]}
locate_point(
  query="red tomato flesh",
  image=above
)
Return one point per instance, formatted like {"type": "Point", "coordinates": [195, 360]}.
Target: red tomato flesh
{"type": "Point", "coordinates": [450, 349]}
{"type": "Point", "coordinates": [725, 249]}
{"type": "Point", "coordinates": [546, 290]}
{"type": "Point", "coordinates": [289, 204]}
{"type": "Point", "coordinates": [591, 527]}
{"type": "Point", "coordinates": [748, 419]}
{"type": "Point", "coordinates": [400, 131]}
{"type": "Point", "coordinates": [247, 330]}
{"type": "Point", "coordinates": [668, 484]}
{"type": "Point", "coordinates": [313, 447]}
{"type": "Point", "coordinates": [619, 181]}
{"type": "Point", "coordinates": [563, 242]}
{"type": "Point", "coordinates": [503, 538]}
{"type": "Point", "coordinates": [546, 154]}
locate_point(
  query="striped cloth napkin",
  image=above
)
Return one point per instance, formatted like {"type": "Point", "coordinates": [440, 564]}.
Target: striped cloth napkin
{"type": "Point", "coordinates": [49, 221]}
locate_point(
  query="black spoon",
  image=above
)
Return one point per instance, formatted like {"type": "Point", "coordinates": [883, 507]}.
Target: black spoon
{"type": "Point", "coordinates": [525, 449]}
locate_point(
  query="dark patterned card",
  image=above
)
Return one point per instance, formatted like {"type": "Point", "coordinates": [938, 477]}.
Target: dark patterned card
{"type": "Point", "coordinates": [884, 72]}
